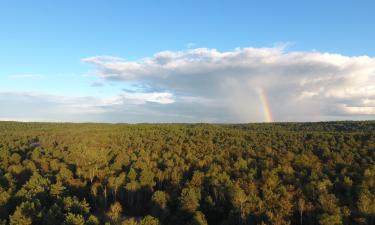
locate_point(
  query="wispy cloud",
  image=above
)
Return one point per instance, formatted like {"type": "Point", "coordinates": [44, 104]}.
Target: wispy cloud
{"type": "Point", "coordinates": [97, 84]}
{"type": "Point", "coordinates": [27, 76]}
{"type": "Point", "coordinates": [191, 45]}
{"type": "Point", "coordinates": [28, 106]}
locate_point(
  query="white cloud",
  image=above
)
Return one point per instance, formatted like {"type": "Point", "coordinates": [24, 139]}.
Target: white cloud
{"type": "Point", "coordinates": [142, 98]}
{"type": "Point", "coordinates": [298, 85]}
{"type": "Point", "coordinates": [360, 110]}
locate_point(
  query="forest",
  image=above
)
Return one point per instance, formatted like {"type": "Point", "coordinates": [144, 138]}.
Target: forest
{"type": "Point", "coordinates": [195, 174]}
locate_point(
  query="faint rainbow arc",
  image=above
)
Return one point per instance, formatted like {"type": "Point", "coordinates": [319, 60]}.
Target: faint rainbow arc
{"type": "Point", "coordinates": [265, 105]}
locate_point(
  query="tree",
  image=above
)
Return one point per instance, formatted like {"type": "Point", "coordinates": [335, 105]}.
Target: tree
{"type": "Point", "coordinates": [57, 189]}
{"type": "Point", "coordinates": [26, 213]}
{"type": "Point", "coordinates": [75, 206]}
{"type": "Point", "coordinates": [277, 199]}
{"type": "Point", "coordinates": [149, 220]}
{"type": "Point", "coordinates": [19, 218]}
{"type": "Point", "coordinates": [74, 219]}
{"type": "Point", "coordinates": [4, 198]}
{"type": "Point", "coordinates": [115, 182]}
{"type": "Point", "coordinates": [366, 205]}
{"type": "Point", "coordinates": [332, 213]}
{"type": "Point", "coordinates": [36, 187]}
{"type": "Point", "coordinates": [132, 174]}
{"type": "Point", "coordinates": [199, 219]}
{"type": "Point", "coordinates": [189, 200]}
{"type": "Point", "coordinates": [64, 175]}
{"type": "Point", "coordinates": [114, 213]}
{"type": "Point", "coordinates": [327, 219]}
{"type": "Point", "coordinates": [92, 220]}
{"type": "Point", "coordinates": [301, 207]}
{"type": "Point", "coordinates": [147, 178]}
{"type": "Point", "coordinates": [160, 198]}
{"type": "Point", "coordinates": [130, 221]}
{"type": "Point", "coordinates": [238, 200]}
{"type": "Point", "coordinates": [160, 204]}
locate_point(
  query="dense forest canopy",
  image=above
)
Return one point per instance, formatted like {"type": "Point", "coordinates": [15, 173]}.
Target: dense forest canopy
{"type": "Point", "coordinates": [277, 173]}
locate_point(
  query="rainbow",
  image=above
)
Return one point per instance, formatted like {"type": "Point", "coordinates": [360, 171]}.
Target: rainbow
{"type": "Point", "coordinates": [266, 105]}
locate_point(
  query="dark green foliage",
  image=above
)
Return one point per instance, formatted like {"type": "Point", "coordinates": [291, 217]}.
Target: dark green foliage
{"type": "Point", "coordinates": [279, 173]}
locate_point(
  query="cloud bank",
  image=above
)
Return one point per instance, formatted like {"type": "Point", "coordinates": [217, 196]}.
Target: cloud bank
{"type": "Point", "coordinates": [206, 85]}
{"type": "Point", "coordinates": [297, 85]}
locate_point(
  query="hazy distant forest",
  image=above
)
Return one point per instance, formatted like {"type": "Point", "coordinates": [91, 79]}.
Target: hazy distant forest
{"type": "Point", "coordinates": [197, 174]}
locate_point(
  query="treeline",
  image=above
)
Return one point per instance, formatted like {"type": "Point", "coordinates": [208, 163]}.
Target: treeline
{"type": "Point", "coordinates": [197, 174]}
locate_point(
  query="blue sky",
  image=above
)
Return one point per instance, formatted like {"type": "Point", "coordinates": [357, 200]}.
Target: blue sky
{"type": "Point", "coordinates": [44, 44]}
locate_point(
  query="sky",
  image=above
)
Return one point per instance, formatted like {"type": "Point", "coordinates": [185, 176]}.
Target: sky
{"type": "Point", "coordinates": [187, 61]}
